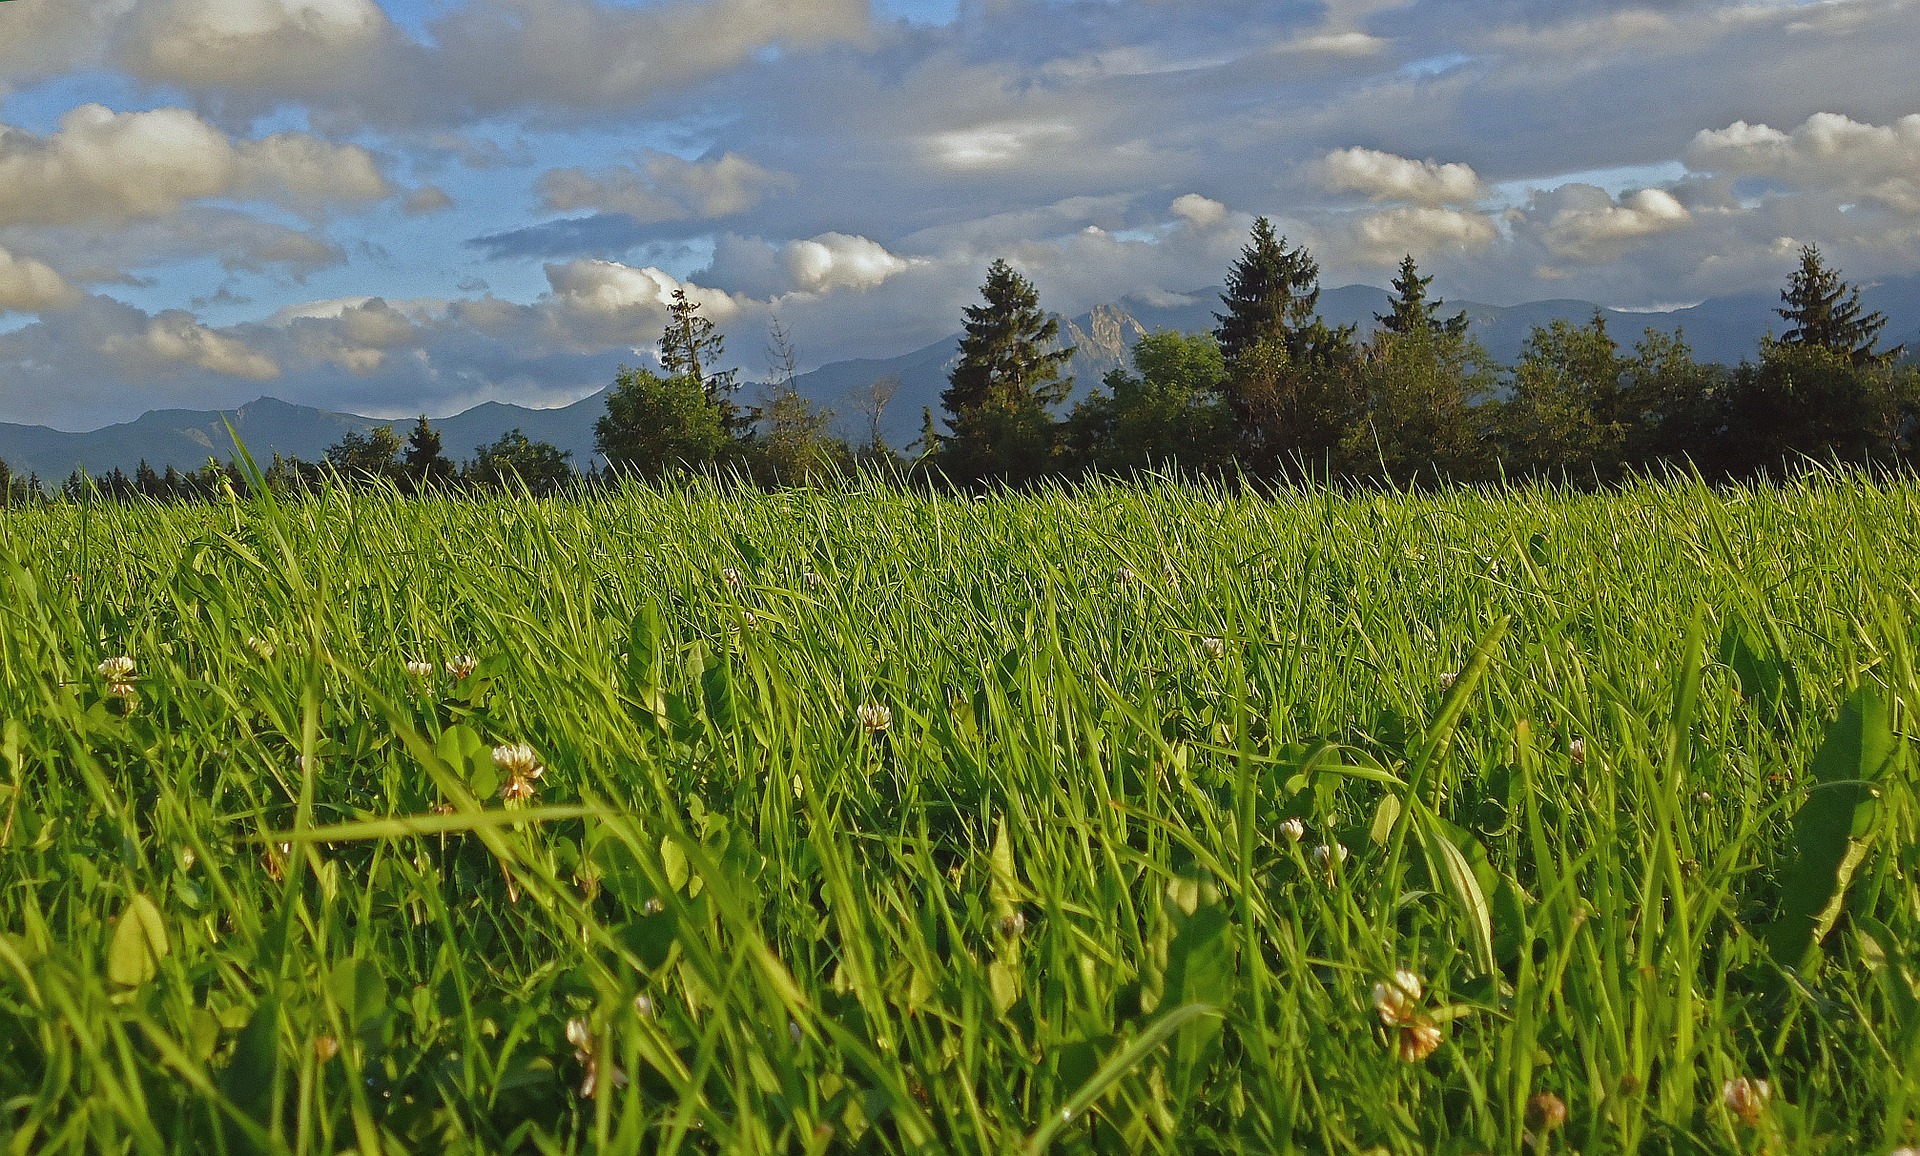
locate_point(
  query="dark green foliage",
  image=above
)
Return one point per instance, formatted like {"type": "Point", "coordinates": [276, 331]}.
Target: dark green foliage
{"type": "Point", "coordinates": [516, 460]}
{"type": "Point", "coordinates": [1168, 412]}
{"type": "Point", "coordinates": [1825, 313]}
{"type": "Point", "coordinates": [793, 442]}
{"type": "Point", "coordinates": [692, 348]}
{"type": "Point", "coordinates": [655, 424]}
{"type": "Point", "coordinates": [1566, 413]}
{"type": "Point", "coordinates": [1412, 312]}
{"type": "Point", "coordinates": [372, 456]}
{"type": "Point", "coordinates": [1812, 402]}
{"type": "Point", "coordinates": [424, 462]}
{"type": "Point", "coordinates": [1001, 394]}
{"type": "Point", "coordinates": [1288, 383]}
{"type": "Point", "coordinates": [1425, 407]}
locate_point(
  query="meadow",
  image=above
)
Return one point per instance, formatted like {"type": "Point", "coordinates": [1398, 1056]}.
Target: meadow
{"type": "Point", "coordinates": [1114, 819]}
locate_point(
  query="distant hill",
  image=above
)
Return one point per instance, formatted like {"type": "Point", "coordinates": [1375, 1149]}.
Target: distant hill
{"type": "Point", "coordinates": [1723, 329]}
{"type": "Point", "coordinates": [187, 438]}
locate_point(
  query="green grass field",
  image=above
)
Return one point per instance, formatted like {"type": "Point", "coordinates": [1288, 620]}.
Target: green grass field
{"type": "Point", "coordinates": [866, 821]}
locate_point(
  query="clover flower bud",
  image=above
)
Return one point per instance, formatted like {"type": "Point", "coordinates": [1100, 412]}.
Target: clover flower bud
{"type": "Point", "coordinates": [462, 665]}
{"type": "Point", "coordinates": [1546, 1112]}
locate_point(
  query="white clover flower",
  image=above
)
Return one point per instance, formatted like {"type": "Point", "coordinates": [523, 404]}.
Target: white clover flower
{"type": "Point", "coordinates": [261, 647]}
{"type": "Point", "coordinates": [422, 670]}
{"type": "Point", "coordinates": [1325, 853]}
{"type": "Point", "coordinates": [1124, 575]}
{"type": "Point", "coordinates": [643, 1006]}
{"type": "Point", "coordinates": [518, 760]}
{"type": "Point", "coordinates": [1577, 751]}
{"type": "Point", "coordinates": [876, 717]}
{"type": "Point", "coordinates": [522, 767]}
{"type": "Point", "coordinates": [1448, 679]}
{"type": "Point", "coordinates": [1398, 999]}
{"type": "Point", "coordinates": [813, 580]}
{"type": "Point", "coordinates": [731, 577]}
{"type": "Point", "coordinates": [1746, 1098]}
{"type": "Point", "coordinates": [1418, 1040]}
{"type": "Point", "coordinates": [581, 1037]}
{"type": "Point", "coordinates": [1293, 830]}
{"type": "Point", "coordinates": [462, 665]}
{"type": "Point", "coordinates": [1215, 647]}
{"type": "Point", "coordinates": [119, 668]}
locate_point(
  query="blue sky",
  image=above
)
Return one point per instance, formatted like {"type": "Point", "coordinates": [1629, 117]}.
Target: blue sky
{"type": "Point", "coordinates": [402, 205]}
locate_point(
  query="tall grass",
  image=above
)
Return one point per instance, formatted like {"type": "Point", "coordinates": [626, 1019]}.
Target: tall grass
{"type": "Point", "coordinates": [1166, 782]}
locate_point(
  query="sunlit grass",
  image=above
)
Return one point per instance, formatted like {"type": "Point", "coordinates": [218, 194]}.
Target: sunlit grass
{"type": "Point", "coordinates": [1121, 819]}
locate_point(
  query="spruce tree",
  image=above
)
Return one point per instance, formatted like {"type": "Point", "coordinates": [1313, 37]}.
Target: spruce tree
{"type": "Point", "coordinates": [1412, 312]}
{"type": "Point", "coordinates": [1289, 380]}
{"type": "Point", "coordinates": [1825, 312]}
{"type": "Point", "coordinates": [1000, 396]}
{"type": "Point", "coordinates": [424, 462]}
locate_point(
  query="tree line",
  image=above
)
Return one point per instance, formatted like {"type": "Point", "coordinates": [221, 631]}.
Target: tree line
{"type": "Point", "coordinates": [1275, 392]}
{"type": "Point", "coordinates": [1271, 392]}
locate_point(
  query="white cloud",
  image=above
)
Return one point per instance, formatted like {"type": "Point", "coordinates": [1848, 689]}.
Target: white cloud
{"type": "Point", "coordinates": [1383, 176]}
{"type": "Point", "coordinates": [174, 341]}
{"type": "Point", "coordinates": [1829, 152]}
{"type": "Point", "coordinates": [30, 286]}
{"type": "Point", "coordinates": [663, 187]}
{"type": "Point", "coordinates": [1198, 211]}
{"type": "Point", "coordinates": [1582, 222]}
{"type": "Point", "coordinates": [1420, 230]}
{"type": "Point", "coordinates": [838, 261]}
{"type": "Point", "coordinates": [995, 146]}
{"type": "Point", "coordinates": [200, 43]}
{"type": "Point", "coordinates": [110, 167]}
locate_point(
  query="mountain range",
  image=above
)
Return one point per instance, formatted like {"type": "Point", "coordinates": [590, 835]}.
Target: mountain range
{"type": "Point", "coordinates": [1723, 329]}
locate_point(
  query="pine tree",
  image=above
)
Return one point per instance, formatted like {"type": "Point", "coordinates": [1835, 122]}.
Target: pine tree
{"type": "Point", "coordinates": [1825, 312]}
{"type": "Point", "coordinates": [1412, 311]}
{"type": "Point", "coordinates": [1000, 396]}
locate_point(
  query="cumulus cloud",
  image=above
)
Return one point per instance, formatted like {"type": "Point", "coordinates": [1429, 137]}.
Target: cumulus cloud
{"type": "Point", "coordinates": [1198, 211]}
{"type": "Point", "coordinates": [175, 341]}
{"type": "Point", "coordinates": [838, 261]}
{"type": "Point", "coordinates": [663, 187]}
{"type": "Point", "coordinates": [1383, 176]}
{"type": "Point", "coordinates": [30, 286]}
{"type": "Point", "coordinates": [110, 167]}
{"type": "Point", "coordinates": [1827, 151]}
{"type": "Point", "coordinates": [1582, 222]}
{"type": "Point", "coordinates": [1421, 230]}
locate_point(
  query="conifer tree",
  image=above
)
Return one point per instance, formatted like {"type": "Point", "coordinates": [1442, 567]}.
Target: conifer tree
{"type": "Point", "coordinates": [691, 348]}
{"type": "Point", "coordinates": [1289, 384]}
{"type": "Point", "coordinates": [1412, 311]}
{"type": "Point", "coordinates": [424, 462]}
{"type": "Point", "coordinates": [1825, 312]}
{"type": "Point", "coordinates": [1000, 396]}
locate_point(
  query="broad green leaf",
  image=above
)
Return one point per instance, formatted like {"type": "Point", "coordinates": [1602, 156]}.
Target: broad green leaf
{"type": "Point", "coordinates": [360, 991]}
{"type": "Point", "coordinates": [674, 861]}
{"type": "Point", "coordinates": [1454, 874]}
{"type": "Point", "coordinates": [139, 944]}
{"type": "Point", "coordinates": [1833, 828]}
